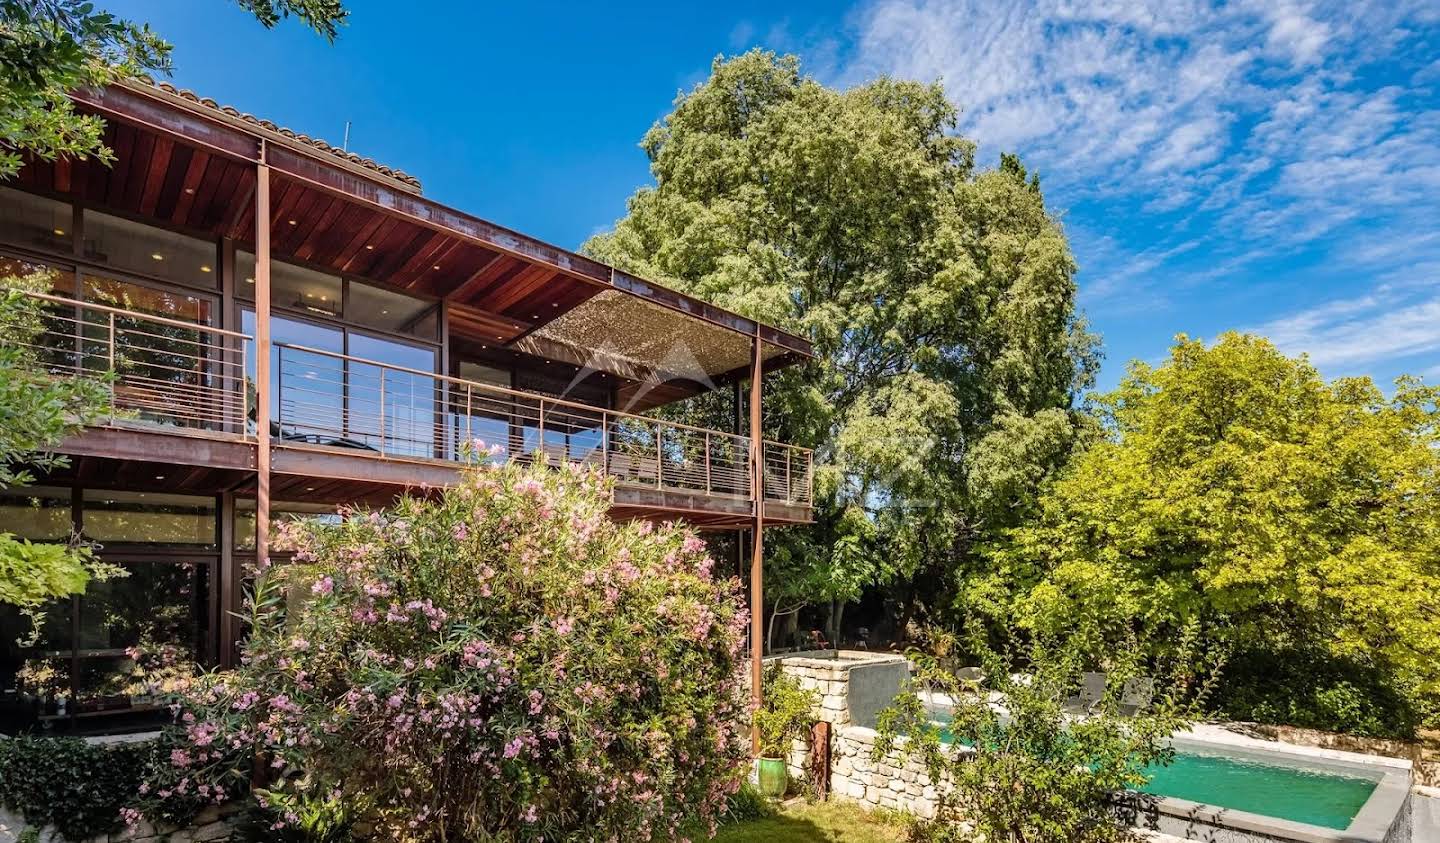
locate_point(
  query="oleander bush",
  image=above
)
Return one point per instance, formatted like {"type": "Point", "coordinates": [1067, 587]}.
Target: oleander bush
{"type": "Point", "coordinates": [494, 661]}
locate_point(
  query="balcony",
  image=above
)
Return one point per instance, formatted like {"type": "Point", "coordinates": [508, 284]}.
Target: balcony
{"type": "Point", "coordinates": [175, 376]}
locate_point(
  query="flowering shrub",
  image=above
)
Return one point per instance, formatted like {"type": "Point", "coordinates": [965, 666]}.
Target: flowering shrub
{"type": "Point", "coordinates": [499, 660]}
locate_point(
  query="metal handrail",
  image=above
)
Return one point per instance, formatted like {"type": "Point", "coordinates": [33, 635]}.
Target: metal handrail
{"type": "Point", "coordinates": [198, 379]}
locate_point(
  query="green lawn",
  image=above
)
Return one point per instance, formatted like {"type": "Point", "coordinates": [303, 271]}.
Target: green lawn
{"type": "Point", "coordinates": [825, 822]}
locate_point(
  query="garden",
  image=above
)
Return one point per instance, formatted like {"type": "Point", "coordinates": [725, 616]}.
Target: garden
{"type": "Point", "coordinates": [1070, 581]}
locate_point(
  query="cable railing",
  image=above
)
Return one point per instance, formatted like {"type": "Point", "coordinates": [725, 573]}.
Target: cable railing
{"type": "Point", "coordinates": [178, 374]}
{"type": "Point", "coordinates": [332, 399]}
{"type": "Point", "coordinates": [158, 370]}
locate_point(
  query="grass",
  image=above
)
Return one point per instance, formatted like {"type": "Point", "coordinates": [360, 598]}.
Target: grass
{"type": "Point", "coordinates": [823, 822]}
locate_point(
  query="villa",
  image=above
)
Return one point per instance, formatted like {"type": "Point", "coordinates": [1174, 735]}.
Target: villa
{"type": "Point", "coordinates": [289, 327]}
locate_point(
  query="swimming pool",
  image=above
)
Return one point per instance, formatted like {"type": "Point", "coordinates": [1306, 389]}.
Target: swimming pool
{"type": "Point", "coordinates": [1215, 791]}
{"type": "Point", "coordinates": [1323, 798]}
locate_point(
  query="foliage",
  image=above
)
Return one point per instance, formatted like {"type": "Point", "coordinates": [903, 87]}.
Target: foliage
{"type": "Point", "coordinates": [746, 804]}
{"type": "Point", "coordinates": [785, 712]}
{"type": "Point", "coordinates": [1030, 772]}
{"type": "Point", "coordinates": [940, 300]}
{"type": "Point", "coordinates": [76, 786]}
{"type": "Point", "coordinates": [36, 413]}
{"type": "Point", "coordinates": [49, 48]}
{"type": "Point", "coordinates": [1237, 490]}
{"type": "Point", "coordinates": [497, 661]}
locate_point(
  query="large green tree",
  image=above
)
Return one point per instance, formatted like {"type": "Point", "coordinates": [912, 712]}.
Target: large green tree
{"type": "Point", "coordinates": [49, 48]}
{"type": "Point", "coordinates": [940, 299]}
{"type": "Point", "coordinates": [1296, 521]}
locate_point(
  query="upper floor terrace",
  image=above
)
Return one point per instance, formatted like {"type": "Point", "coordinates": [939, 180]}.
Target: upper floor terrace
{"type": "Point", "coordinates": [251, 292]}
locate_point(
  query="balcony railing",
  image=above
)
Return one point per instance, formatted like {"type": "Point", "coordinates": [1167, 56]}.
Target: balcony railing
{"type": "Point", "coordinates": [183, 375]}
{"type": "Point", "coordinates": [160, 370]}
{"type": "Point", "coordinates": [327, 398]}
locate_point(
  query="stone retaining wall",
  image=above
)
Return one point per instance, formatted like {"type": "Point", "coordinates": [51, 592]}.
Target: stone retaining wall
{"type": "Point", "coordinates": [211, 826]}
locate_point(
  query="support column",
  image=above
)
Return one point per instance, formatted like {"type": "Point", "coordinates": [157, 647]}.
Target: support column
{"type": "Point", "coordinates": [757, 542]}
{"type": "Point", "coordinates": [226, 581]}
{"type": "Point", "coordinates": [262, 366]}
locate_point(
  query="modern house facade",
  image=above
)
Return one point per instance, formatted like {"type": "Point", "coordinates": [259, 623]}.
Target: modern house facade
{"type": "Point", "coordinates": [288, 327]}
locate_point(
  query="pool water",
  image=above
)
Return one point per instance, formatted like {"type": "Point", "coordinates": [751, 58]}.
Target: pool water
{"type": "Point", "coordinates": [1289, 793]}
{"type": "Point", "coordinates": [1297, 794]}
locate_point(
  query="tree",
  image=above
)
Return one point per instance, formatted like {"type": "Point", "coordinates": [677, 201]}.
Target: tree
{"type": "Point", "coordinates": [940, 301]}
{"type": "Point", "coordinates": [49, 48]}
{"type": "Point", "coordinates": [1296, 521]}
{"type": "Point", "coordinates": [37, 411]}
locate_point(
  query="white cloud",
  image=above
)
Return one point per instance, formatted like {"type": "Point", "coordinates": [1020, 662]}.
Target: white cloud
{"type": "Point", "coordinates": [1237, 135]}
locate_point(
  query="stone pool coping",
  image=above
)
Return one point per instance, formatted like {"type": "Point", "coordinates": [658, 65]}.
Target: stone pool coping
{"type": "Point", "coordinates": [1372, 824]}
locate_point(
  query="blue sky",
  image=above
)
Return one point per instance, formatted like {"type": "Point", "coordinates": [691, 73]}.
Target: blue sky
{"type": "Point", "coordinates": [1262, 165]}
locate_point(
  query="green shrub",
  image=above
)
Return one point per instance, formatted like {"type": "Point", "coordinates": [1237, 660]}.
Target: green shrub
{"type": "Point", "coordinates": [498, 661]}
{"type": "Point", "coordinates": [1031, 773]}
{"type": "Point", "coordinates": [75, 786]}
{"type": "Point", "coordinates": [785, 712]}
{"type": "Point", "coordinates": [1310, 689]}
{"type": "Point", "coordinates": [746, 804]}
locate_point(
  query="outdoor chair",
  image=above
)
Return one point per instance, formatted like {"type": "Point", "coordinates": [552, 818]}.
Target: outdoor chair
{"type": "Point", "coordinates": [1136, 696]}
{"type": "Point", "coordinates": [1092, 691]}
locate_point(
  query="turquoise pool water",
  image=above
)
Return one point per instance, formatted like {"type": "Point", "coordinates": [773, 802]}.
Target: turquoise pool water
{"type": "Point", "coordinates": [1297, 794]}
{"type": "Point", "coordinates": [1288, 793]}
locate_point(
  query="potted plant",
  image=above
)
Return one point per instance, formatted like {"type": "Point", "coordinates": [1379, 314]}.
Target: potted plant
{"type": "Point", "coordinates": [784, 715]}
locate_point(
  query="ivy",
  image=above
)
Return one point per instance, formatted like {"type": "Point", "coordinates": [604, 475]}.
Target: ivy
{"type": "Point", "coordinates": [77, 787]}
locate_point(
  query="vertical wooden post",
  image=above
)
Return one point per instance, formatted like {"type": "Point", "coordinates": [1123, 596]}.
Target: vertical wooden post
{"type": "Point", "coordinates": [757, 544]}
{"type": "Point", "coordinates": [226, 581]}
{"type": "Point", "coordinates": [262, 366]}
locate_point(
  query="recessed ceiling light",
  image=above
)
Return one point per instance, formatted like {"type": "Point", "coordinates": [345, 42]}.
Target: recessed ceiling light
{"type": "Point", "coordinates": [324, 298]}
{"type": "Point", "coordinates": [384, 312]}
{"type": "Point", "coordinates": [159, 477]}
{"type": "Point", "coordinates": [60, 232]}
{"type": "Point", "coordinates": [371, 248]}
{"type": "Point", "coordinates": [157, 256]}
{"type": "Point", "coordinates": [189, 190]}
{"type": "Point", "coordinates": [249, 280]}
{"type": "Point", "coordinates": [309, 488]}
{"type": "Point", "coordinates": [204, 268]}
{"type": "Point", "coordinates": [554, 304]}
{"type": "Point", "coordinates": [309, 295]}
{"type": "Point", "coordinates": [436, 266]}
{"type": "Point", "coordinates": [292, 222]}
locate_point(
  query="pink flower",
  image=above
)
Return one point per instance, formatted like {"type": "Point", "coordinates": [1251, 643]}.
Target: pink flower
{"type": "Point", "coordinates": [323, 586]}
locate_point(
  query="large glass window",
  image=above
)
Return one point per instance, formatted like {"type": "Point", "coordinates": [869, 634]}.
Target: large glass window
{"type": "Point", "coordinates": [149, 518]}
{"type": "Point", "coordinates": [35, 222]}
{"type": "Point", "coordinates": [390, 311]}
{"type": "Point", "coordinates": [307, 389]}
{"type": "Point", "coordinates": [298, 288]}
{"type": "Point", "coordinates": [305, 290]}
{"type": "Point", "coordinates": [38, 513]}
{"type": "Point", "coordinates": [280, 512]}
{"type": "Point", "coordinates": [150, 251]}
{"type": "Point", "coordinates": [63, 283]}
{"type": "Point", "coordinates": [389, 406]}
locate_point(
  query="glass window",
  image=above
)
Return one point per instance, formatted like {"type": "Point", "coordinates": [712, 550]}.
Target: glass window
{"type": "Point", "coordinates": [245, 274]}
{"type": "Point", "coordinates": [308, 388]}
{"type": "Point", "coordinates": [35, 222]}
{"type": "Point", "coordinates": [398, 407]}
{"type": "Point", "coordinates": [63, 284]}
{"type": "Point", "coordinates": [390, 311]}
{"type": "Point", "coordinates": [169, 304]}
{"type": "Point", "coordinates": [152, 251]}
{"type": "Point", "coordinates": [280, 512]}
{"type": "Point", "coordinates": [149, 518]}
{"type": "Point", "coordinates": [298, 288]}
{"type": "Point", "coordinates": [141, 634]}
{"type": "Point", "coordinates": [38, 513]}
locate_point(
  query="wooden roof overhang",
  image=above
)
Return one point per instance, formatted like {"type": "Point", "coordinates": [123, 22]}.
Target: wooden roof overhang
{"type": "Point", "coordinates": [192, 165]}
